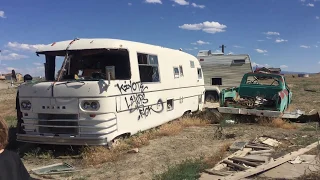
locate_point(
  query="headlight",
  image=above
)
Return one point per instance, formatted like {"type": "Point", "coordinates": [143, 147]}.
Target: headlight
{"type": "Point", "coordinates": [90, 105]}
{"type": "Point", "coordinates": [94, 105]}
{"type": "Point", "coordinates": [86, 105]}
{"type": "Point", "coordinates": [26, 105]}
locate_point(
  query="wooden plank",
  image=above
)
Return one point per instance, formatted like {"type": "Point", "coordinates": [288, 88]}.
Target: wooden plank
{"type": "Point", "coordinates": [276, 162]}
{"type": "Point", "coordinates": [235, 165]}
{"type": "Point", "coordinates": [261, 152]}
{"type": "Point", "coordinates": [257, 147]}
{"type": "Point", "coordinates": [239, 153]}
{"type": "Point", "coordinates": [244, 162]}
{"type": "Point", "coordinates": [213, 172]}
{"type": "Point", "coordinates": [250, 159]}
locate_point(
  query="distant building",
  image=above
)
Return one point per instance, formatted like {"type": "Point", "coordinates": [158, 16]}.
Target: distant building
{"type": "Point", "coordinates": [9, 75]}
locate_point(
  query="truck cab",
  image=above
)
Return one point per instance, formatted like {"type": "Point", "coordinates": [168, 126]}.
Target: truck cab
{"type": "Point", "coordinates": [257, 92]}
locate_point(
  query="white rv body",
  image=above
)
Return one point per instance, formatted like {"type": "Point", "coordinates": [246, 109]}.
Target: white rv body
{"type": "Point", "coordinates": [222, 71]}
{"type": "Point", "coordinates": [123, 106]}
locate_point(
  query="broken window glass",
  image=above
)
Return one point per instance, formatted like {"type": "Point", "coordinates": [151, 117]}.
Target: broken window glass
{"type": "Point", "coordinates": [148, 68]}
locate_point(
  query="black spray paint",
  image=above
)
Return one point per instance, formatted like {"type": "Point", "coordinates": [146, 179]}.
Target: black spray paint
{"type": "Point", "coordinates": [138, 100]}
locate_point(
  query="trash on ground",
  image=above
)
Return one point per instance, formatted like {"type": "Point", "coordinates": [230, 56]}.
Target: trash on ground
{"type": "Point", "coordinates": [239, 145]}
{"type": "Point", "coordinates": [269, 141]}
{"type": "Point", "coordinates": [54, 169]}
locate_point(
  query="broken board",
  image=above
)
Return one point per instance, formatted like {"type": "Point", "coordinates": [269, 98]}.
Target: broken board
{"type": "Point", "coordinates": [54, 169]}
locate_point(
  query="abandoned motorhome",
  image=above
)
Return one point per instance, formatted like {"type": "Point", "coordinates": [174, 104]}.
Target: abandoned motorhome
{"type": "Point", "coordinates": [107, 88]}
{"type": "Point", "coordinates": [222, 71]}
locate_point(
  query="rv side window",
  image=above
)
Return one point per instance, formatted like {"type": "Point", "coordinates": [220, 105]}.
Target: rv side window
{"type": "Point", "coordinates": [216, 81]}
{"type": "Point", "coordinates": [176, 72]}
{"type": "Point", "coordinates": [239, 61]}
{"type": "Point", "coordinates": [148, 68]}
{"type": "Point", "coordinates": [199, 73]}
{"type": "Point", "coordinates": [191, 64]}
{"type": "Point", "coordinates": [181, 70]}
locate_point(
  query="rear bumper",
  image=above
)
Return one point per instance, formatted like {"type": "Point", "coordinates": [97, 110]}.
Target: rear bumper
{"type": "Point", "coordinates": [255, 112]}
{"type": "Point", "coordinates": [39, 139]}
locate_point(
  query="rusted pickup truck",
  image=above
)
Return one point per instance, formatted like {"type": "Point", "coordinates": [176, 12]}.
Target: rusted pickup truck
{"type": "Point", "coordinates": [259, 94]}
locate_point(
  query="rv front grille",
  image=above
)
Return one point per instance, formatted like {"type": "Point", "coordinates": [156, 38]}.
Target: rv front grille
{"type": "Point", "coordinates": [62, 126]}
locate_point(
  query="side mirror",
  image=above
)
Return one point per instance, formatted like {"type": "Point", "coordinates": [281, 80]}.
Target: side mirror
{"type": "Point", "coordinates": [27, 77]}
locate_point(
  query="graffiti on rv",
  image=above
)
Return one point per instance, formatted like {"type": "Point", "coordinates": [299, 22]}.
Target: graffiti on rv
{"type": "Point", "coordinates": [137, 101]}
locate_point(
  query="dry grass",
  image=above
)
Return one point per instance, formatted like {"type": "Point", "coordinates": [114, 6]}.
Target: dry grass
{"type": "Point", "coordinates": [305, 100]}
{"type": "Point", "coordinates": [277, 123]}
{"type": "Point", "coordinates": [98, 155]}
{"type": "Point", "coordinates": [211, 161]}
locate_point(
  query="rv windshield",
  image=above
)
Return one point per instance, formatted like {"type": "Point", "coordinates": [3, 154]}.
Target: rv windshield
{"type": "Point", "coordinates": [96, 64]}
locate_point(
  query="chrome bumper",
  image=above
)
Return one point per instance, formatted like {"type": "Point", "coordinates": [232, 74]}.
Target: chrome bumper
{"type": "Point", "coordinates": [39, 139]}
{"type": "Point", "coordinates": [255, 112]}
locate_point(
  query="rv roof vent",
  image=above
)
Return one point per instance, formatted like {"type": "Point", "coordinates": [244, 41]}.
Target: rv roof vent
{"type": "Point", "coordinates": [218, 54]}
{"type": "Point", "coordinates": [204, 53]}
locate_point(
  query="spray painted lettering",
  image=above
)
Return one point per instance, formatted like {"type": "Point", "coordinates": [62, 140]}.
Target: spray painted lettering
{"type": "Point", "coordinates": [137, 101]}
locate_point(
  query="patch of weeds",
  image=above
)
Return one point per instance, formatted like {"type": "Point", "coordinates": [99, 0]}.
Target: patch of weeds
{"type": "Point", "coordinates": [308, 128]}
{"type": "Point", "coordinates": [191, 168]}
{"type": "Point", "coordinates": [211, 161]}
{"type": "Point", "coordinates": [11, 121]}
{"type": "Point", "coordinates": [39, 153]}
{"type": "Point", "coordinates": [311, 176]}
{"type": "Point", "coordinates": [98, 155]}
{"type": "Point", "coordinates": [304, 141]}
{"type": "Point", "coordinates": [81, 178]}
{"type": "Point", "coordinates": [276, 123]}
{"type": "Point", "coordinates": [67, 175]}
{"type": "Point", "coordinates": [188, 169]}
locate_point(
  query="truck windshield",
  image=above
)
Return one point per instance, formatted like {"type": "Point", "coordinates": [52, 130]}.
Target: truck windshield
{"type": "Point", "coordinates": [263, 80]}
{"type": "Point", "coordinates": [96, 64]}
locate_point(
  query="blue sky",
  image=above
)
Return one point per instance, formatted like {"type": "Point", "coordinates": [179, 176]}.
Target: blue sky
{"type": "Point", "coordinates": [277, 33]}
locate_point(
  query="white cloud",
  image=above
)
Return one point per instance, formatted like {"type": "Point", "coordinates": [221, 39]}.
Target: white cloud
{"type": "Point", "coordinates": [21, 46]}
{"type": "Point", "coordinates": [281, 40]}
{"type": "Point", "coordinates": [283, 66]}
{"type": "Point", "coordinates": [198, 6]}
{"type": "Point", "coordinates": [12, 56]}
{"type": "Point", "coordinates": [259, 65]}
{"type": "Point", "coordinates": [317, 17]}
{"type": "Point", "coordinates": [270, 33]}
{"type": "Point", "coordinates": [208, 27]}
{"type": "Point", "coordinates": [153, 1]}
{"type": "Point", "coordinates": [304, 46]}
{"type": "Point", "coordinates": [129, 4]}
{"type": "Point", "coordinates": [230, 52]}
{"type": "Point", "coordinates": [261, 50]}
{"type": "Point", "coordinates": [38, 64]}
{"type": "Point", "coordinates": [200, 43]}
{"type": "Point", "coordinates": [260, 40]}
{"type": "Point", "coordinates": [4, 51]}
{"type": "Point", "coordinates": [236, 46]}
{"type": "Point", "coordinates": [12, 68]}
{"type": "Point", "coordinates": [2, 14]}
{"type": "Point", "coordinates": [268, 37]}
{"type": "Point", "coordinates": [195, 48]}
{"type": "Point", "coordinates": [310, 5]}
{"type": "Point", "coordinates": [303, 0]}
{"type": "Point", "coordinates": [181, 2]}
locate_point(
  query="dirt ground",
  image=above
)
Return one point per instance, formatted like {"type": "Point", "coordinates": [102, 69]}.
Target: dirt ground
{"type": "Point", "coordinates": [155, 157]}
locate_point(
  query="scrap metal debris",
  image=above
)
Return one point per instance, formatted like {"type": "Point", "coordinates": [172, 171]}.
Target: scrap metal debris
{"type": "Point", "coordinates": [54, 169]}
{"type": "Point", "coordinates": [243, 163]}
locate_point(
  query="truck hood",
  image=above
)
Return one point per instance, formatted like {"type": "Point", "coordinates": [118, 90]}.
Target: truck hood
{"type": "Point", "coordinates": [63, 89]}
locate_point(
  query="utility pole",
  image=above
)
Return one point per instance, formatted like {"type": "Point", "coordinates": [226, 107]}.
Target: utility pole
{"type": "Point", "coordinates": [222, 48]}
